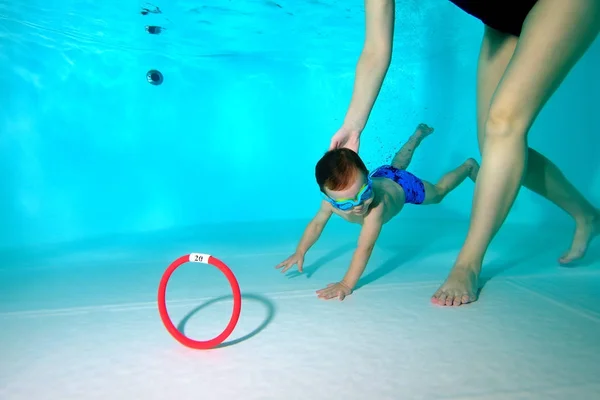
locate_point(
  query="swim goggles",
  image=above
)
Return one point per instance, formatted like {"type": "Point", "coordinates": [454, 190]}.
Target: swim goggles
{"type": "Point", "coordinates": [365, 193]}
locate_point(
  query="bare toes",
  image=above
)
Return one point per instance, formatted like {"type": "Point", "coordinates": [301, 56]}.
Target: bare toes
{"type": "Point", "coordinates": [449, 300]}
{"type": "Point", "coordinates": [571, 256]}
{"type": "Point", "coordinates": [442, 299]}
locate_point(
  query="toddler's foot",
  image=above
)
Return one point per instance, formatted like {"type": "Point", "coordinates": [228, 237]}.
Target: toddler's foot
{"type": "Point", "coordinates": [585, 230]}
{"type": "Point", "coordinates": [460, 287]}
{"type": "Point", "coordinates": [474, 165]}
{"type": "Point", "coordinates": [423, 131]}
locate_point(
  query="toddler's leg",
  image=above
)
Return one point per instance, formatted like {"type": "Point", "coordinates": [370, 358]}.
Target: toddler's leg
{"type": "Point", "coordinates": [436, 193]}
{"type": "Point", "coordinates": [404, 155]}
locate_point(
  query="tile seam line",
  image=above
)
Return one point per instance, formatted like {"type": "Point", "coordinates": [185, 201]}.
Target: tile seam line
{"type": "Point", "coordinates": [586, 314]}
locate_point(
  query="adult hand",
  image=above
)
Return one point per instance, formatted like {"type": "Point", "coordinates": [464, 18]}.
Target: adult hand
{"type": "Point", "coordinates": [345, 137]}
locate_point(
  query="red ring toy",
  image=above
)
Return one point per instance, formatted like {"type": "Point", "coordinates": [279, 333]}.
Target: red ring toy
{"type": "Point", "coordinates": [162, 306]}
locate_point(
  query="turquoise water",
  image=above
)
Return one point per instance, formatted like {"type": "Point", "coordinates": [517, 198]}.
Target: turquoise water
{"type": "Point", "coordinates": [252, 93]}
{"type": "Point", "coordinates": [106, 179]}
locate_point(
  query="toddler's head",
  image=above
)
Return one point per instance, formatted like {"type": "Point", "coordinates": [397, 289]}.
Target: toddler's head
{"type": "Point", "coordinates": [344, 180]}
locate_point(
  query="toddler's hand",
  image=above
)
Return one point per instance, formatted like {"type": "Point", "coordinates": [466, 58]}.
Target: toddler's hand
{"type": "Point", "coordinates": [295, 258]}
{"type": "Point", "coordinates": [334, 290]}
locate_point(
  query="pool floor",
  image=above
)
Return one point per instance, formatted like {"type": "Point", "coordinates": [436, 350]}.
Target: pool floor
{"type": "Point", "coordinates": [80, 321]}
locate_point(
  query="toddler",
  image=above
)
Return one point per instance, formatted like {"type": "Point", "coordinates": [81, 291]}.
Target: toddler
{"type": "Point", "coordinates": [370, 199]}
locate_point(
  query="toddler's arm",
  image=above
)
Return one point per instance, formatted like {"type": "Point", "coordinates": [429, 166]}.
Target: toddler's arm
{"type": "Point", "coordinates": [314, 228]}
{"type": "Point", "coordinates": [311, 234]}
{"type": "Point", "coordinates": [366, 242]}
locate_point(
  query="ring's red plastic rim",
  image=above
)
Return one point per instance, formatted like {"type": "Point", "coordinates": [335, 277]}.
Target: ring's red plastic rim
{"type": "Point", "coordinates": [235, 289]}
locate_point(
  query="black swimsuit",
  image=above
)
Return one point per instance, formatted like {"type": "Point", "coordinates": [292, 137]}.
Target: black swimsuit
{"type": "Point", "coordinates": [501, 15]}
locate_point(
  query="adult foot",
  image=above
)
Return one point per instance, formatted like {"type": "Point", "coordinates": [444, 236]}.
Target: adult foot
{"type": "Point", "coordinates": [585, 230]}
{"type": "Point", "coordinates": [474, 165]}
{"type": "Point", "coordinates": [460, 287]}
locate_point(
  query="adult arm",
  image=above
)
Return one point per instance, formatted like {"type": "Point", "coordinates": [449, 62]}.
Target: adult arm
{"type": "Point", "coordinates": [373, 63]}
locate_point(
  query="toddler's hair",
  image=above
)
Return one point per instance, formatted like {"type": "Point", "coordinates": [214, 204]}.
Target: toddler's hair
{"type": "Point", "coordinates": [337, 169]}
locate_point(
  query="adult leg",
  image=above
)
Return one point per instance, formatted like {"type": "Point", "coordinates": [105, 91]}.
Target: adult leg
{"type": "Point", "coordinates": [434, 194]}
{"type": "Point", "coordinates": [404, 156]}
{"type": "Point", "coordinates": [545, 179]}
{"type": "Point", "coordinates": [555, 35]}
{"type": "Point", "coordinates": [542, 176]}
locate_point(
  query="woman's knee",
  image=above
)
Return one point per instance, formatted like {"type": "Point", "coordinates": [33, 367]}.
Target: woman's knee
{"type": "Point", "coordinates": [504, 123]}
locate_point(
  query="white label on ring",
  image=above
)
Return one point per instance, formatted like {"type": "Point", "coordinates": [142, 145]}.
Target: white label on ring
{"type": "Point", "coordinates": [199, 257]}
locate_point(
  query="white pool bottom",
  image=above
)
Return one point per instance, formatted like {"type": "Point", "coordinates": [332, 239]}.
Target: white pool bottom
{"type": "Point", "coordinates": [83, 323]}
